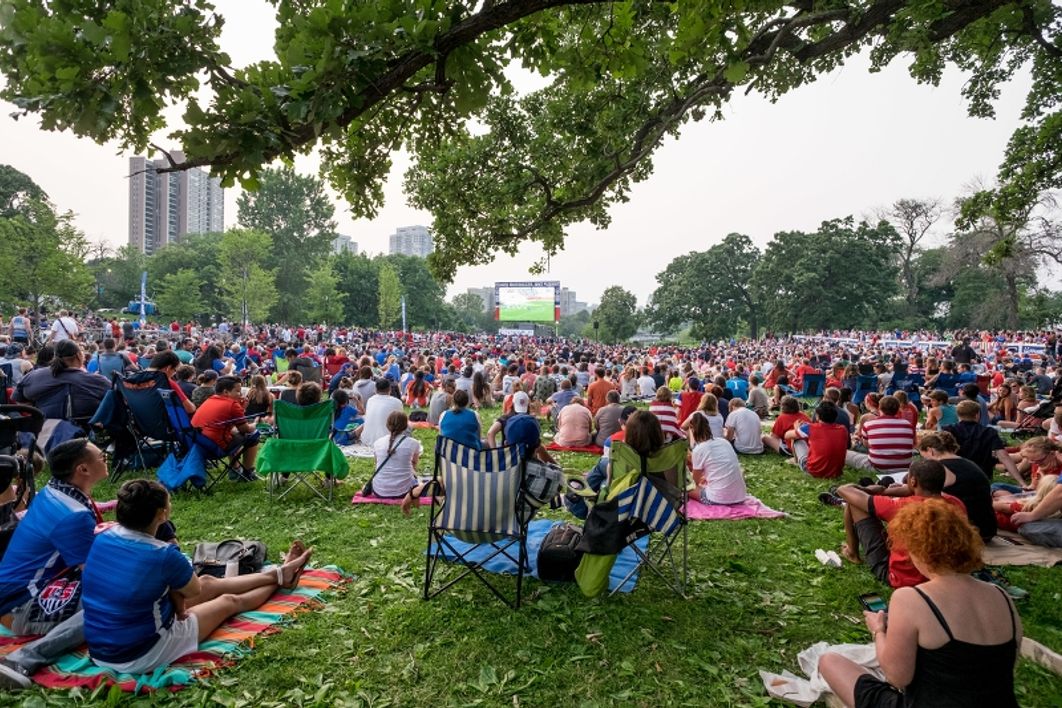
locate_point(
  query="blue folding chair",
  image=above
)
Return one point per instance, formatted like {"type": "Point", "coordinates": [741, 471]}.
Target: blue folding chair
{"type": "Point", "coordinates": [814, 385]}
{"type": "Point", "coordinates": [864, 384]}
{"type": "Point", "coordinates": [219, 462]}
{"type": "Point", "coordinates": [948, 383]}
{"type": "Point", "coordinates": [145, 421]}
{"type": "Point", "coordinates": [911, 384]}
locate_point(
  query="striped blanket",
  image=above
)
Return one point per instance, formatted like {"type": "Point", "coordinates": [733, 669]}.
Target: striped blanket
{"type": "Point", "coordinates": [229, 642]}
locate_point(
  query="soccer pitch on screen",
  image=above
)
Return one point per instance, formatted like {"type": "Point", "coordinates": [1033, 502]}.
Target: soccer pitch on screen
{"type": "Point", "coordinates": [526, 304]}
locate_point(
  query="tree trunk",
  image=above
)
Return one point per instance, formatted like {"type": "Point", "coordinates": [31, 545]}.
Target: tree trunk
{"type": "Point", "coordinates": [1012, 301]}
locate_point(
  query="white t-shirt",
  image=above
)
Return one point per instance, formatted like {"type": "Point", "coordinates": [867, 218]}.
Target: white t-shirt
{"type": "Point", "coordinates": [376, 412]}
{"type": "Point", "coordinates": [396, 477]}
{"type": "Point", "coordinates": [748, 438]}
{"type": "Point", "coordinates": [70, 331]}
{"type": "Point", "coordinates": [646, 386]}
{"type": "Point", "coordinates": [715, 423]}
{"type": "Point", "coordinates": [724, 483]}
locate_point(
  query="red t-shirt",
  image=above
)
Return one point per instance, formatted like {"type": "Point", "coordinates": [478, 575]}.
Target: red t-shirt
{"type": "Point", "coordinates": [827, 446]}
{"type": "Point", "coordinates": [902, 572]}
{"type": "Point", "coordinates": [910, 414]}
{"type": "Point", "coordinates": [785, 422]}
{"type": "Point", "coordinates": [212, 416]}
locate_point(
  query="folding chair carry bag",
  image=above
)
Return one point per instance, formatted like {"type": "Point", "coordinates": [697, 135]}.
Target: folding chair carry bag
{"type": "Point", "coordinates": [477, 497]}
{"type": "Point", "coordinates": [649, 494]}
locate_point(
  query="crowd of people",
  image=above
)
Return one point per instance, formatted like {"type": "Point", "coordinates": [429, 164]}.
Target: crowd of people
{"type": "Point", "coordinates": [933, 449]}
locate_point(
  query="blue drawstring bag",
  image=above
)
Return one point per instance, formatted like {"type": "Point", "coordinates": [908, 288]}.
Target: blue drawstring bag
{"type": "Point", "coordinates": [174, 473]}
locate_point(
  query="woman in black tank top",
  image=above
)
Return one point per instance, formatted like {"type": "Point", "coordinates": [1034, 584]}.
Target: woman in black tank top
{"type": "Point", "coordinates": [945, 547]}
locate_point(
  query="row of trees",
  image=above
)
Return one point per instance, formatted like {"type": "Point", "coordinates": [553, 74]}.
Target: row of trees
{"type": "Point", "coordinates": [862, 275]}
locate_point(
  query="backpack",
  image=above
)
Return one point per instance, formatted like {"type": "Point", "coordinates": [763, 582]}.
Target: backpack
{"type": "Point", "coordinates": [228, 558]}
{"type": "Point", "coordinates": [545, 387]}
{"type": "Point", "coordinates": [557, 556]}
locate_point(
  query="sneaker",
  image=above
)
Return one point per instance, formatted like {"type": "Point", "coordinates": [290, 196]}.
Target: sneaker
{"type": "Point", "coordinates": [831, 499]}
{"type": "Point", "coordinates": [12, 677]}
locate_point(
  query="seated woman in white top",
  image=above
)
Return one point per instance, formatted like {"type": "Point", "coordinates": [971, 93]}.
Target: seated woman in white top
{"type": "Point", "coordinates": [709, 410]}
{"type": "Point", "coordinates": [715, 465]}
{"type": "Point", "coordinates": [397, 455]}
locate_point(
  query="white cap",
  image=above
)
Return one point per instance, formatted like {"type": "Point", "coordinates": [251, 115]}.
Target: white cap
{"type": "Point", "coordinates": [521, 402]}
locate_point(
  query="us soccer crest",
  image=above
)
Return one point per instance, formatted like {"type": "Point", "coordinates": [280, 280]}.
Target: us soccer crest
{"type": "Point", "coordinates": [58, 595]}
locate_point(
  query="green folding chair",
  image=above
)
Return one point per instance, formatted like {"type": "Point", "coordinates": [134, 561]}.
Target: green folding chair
{"type": "Point", "coordinates": [302, 450]}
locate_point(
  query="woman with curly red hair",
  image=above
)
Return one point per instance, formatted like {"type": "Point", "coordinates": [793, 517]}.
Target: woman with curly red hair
{"type": "Point", "coordinates": [951, 641]}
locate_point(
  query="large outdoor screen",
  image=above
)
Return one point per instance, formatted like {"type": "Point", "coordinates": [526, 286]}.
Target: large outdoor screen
{"type": "Point", "coordinates": [526, 302]}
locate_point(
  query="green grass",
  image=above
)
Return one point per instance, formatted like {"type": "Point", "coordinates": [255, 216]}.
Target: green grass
{"type": "Point", "coordinates": [757, 598]}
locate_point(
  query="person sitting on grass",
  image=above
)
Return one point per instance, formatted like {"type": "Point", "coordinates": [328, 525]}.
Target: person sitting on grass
{"type": "Point", "coordinates": [890, 441]}
{"type": "Point", "coordinates": [599, 474]}
{"type": "Point", "coordinates": [709, 410]}
{"type": "Point", "coordinates": [345, 418]}
{"type": "Point", "coordinates": [864, 513]}
{"type": "Point", "coordinates": [790, 416]}
{"type": "Point", "coordinates": [607, 418]}
{"type": "Point", "coordinates": [941, 412]}
{"type": "Point", "coordinates": [714, 465]}
{"type": "Point", "coordinates": [964, 480]}
{"type": "Point", "coordinates": [743, 429]}
{"type": "Point", "coordinates": [664, 409]}
{"type": "Point", "coordinates": [259, 399]}
{"type": "Point", "coordinates": [55, 534]}
{"type": "Point", "coordinates": [377, 410]}
{"type": "Point", "coordinates": [221, 418]}
{"type": "Point", "coordinates": [144, 605]}
{"type": "Point", "coordinates": [461, 423]}
{"type": "Point", "coordinates": [204, 387]}
{"type": "Point", "coordinates": [951, 641]}
{"type": "Point", "coordinates": [980, 443]}
{"type": "Point", "coordinates": [819, 447]}
{"type": "Point", "coordinates": [574, 425]}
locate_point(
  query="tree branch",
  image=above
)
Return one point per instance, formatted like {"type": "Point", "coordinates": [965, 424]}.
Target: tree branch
{"type": "Point", "coordinates": [1034, 31]}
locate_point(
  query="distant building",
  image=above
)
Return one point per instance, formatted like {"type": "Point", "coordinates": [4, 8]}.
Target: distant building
{"type": "Point", "coordinates": [569, 305]}
{"type": "Point", "coordinates": [486, 295]}
{"type": "Point", "coordinates": [411, 241]}
{"type": "Point", "coordinates": [344, 244]}
{"type": "Point", "coordinates": [163, 207]}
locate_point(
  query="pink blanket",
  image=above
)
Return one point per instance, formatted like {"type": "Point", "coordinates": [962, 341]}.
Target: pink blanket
{"type": "Point", "coordinates": [359, 499]}
{"type": "Point", "coordinates": [593, 449]}
{"type": "Point", "coordinates": [751, 508]}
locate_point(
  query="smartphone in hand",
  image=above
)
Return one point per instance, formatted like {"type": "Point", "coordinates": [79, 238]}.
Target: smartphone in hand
{"type": "Point", "coordinates": [873, 602]}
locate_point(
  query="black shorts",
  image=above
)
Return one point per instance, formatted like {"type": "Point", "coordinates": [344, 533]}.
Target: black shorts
{"type": "Point", "coordinates": [875, 547]}
{"type": "Point", "coordinates": [875, 693]}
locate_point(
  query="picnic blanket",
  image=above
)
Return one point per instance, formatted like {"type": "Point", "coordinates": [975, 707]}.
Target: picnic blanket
{"type": "Point", "coordinates": [751, 508]}
{"type": "Point", "coordinates": [357, 451]}
{"type": "Point", "coordinates": [594, 449]}
{"type": "Point", "coordinates": [536, 533]}
{"type": "Point", "coordinates": [423, 425]}
{"type": "Point", "coordinates": [359, 498]}
{"type": "Point", "coordinates": [229, 642]}
{"type": "Point", "coordinates": [805, 691]}
{"type": "Point", "coordinates": [1008, 548]}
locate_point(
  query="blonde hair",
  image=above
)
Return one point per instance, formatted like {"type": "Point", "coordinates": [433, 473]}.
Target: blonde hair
{"type": "Point", "coordinates": [709, 404]}
{"type": "Point", "coordinates": [1043, 488]}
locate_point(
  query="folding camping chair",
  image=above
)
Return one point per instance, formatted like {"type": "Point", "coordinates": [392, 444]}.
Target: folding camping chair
{"type": "Point", "coordinates": [219, 463]}
{"type": "Point", "coordinates": [302, 450]}
{"type": "Point", "coordinates": [911, 384]}
{"type": "Point", "coordinates": [865, 383]}
{"type": "Point", "coordinates": [481, 497]}
{"type": "Point", "coordinates": [652, 493]}
{"type": "Point", "coordinates": [19, 427]}
{"type": "Point", "coordinates": [948, 383]}
{"type": "Point", "coordinates": [813, 387]}
{"type": "Point", "coordinates": [145, 421]}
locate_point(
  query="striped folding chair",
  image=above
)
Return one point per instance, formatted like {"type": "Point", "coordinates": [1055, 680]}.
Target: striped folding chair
{"type": "Point", "coordinates": [654, 503]}
{"type": "Point", "coordinates": [477, 496]}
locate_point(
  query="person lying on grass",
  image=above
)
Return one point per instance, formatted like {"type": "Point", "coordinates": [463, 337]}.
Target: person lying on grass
{"type": "Point", "coordinates": [865, 512]}
{"type": "Point", "coordinates": [952, 641]}
{"type": "Point", "coordinates": [144, 605]}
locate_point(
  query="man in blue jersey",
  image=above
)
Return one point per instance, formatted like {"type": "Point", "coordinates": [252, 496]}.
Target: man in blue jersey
{"type": "Point", "coordinates": [54, 536]}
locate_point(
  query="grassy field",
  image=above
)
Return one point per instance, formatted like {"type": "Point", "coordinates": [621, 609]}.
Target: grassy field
{"type": "Point", "coordinates": [757, 598]}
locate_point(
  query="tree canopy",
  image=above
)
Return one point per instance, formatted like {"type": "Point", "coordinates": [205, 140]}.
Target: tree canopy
{"type": "Point", "coordinates": [363, 80]}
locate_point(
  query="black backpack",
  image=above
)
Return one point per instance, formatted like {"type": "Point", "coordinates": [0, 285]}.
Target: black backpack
{"type": "Point", "coordinates": [228, 558]}
{"type": "Point", "coordinates": [557, 556]}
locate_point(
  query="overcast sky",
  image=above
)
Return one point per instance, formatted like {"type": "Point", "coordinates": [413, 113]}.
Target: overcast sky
{"type": "Point", "coordinates": [848, 144]}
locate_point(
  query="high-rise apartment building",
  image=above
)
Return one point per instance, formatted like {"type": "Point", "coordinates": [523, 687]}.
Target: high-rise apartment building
{"type": "Point", "coordinates": [568, 304]}
{"type": "Point", "coordinates": [411, 241]}
{"type": "Point", "coordinates": [163, 207]}
{"type": "Point", "coordinates": [486, 295]}
{"type": "Point", "coordinates": [344, 244]}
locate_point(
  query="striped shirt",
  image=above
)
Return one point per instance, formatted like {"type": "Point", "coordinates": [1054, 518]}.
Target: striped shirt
{"type": "Point", "coordinates": [668, 417]}
{"type": "Point", "coordinates": [891, 442]}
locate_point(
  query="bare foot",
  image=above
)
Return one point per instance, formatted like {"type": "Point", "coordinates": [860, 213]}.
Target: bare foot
{"type": "Point", "coordinates": [849, 555]}
{"type": "Point", "coordinates": [293, 565]}
{"type": "Point", "coordinates": [408, 502]}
